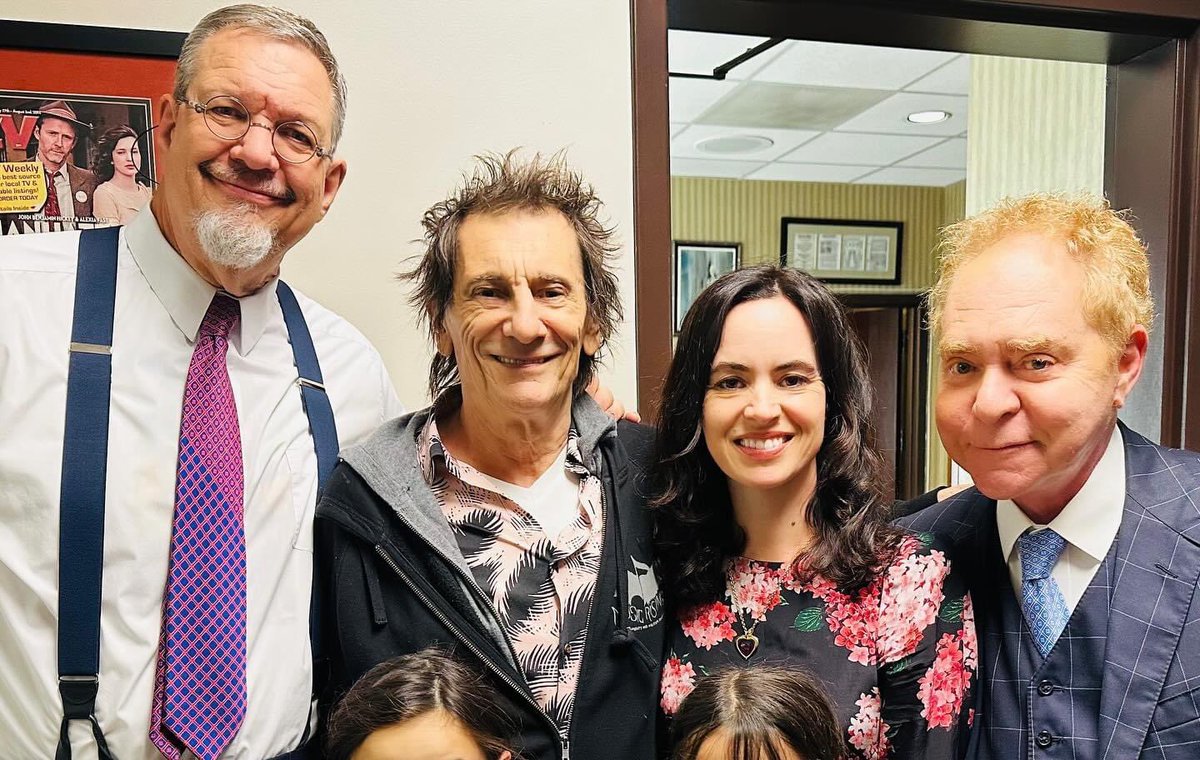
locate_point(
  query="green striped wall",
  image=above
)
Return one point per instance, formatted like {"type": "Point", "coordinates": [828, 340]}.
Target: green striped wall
{"type": "Point", "coordinates": [750, 212]}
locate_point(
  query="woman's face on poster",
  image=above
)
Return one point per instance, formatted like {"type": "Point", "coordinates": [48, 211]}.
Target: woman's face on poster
{"type": "Point", "coordinates": [127, 157]}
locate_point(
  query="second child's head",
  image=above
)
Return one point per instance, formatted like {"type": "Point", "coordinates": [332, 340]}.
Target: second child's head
{"type": "Point", "coordinates": [760, 713]}
{"type": "Point", "coordinates": [423, 706]}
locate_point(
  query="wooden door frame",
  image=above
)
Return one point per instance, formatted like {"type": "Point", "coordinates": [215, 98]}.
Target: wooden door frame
{"type": "Point", "coordinates": [1101, 31]}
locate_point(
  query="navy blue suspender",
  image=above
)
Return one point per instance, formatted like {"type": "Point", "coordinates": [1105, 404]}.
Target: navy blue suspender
{"type": "Point", "coordinates": [81, 495]}
{"type": "Point", "coordinates": [84, 471]}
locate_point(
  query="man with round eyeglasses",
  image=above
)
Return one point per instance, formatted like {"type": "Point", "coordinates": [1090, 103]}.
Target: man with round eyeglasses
{"type": "Point", "coordinates": [228, 119]}
{"type": "Point", "coordinates": [194, 577]}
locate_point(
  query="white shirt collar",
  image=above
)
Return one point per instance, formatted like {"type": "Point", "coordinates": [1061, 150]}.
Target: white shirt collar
{"type": "Point", "coordinates": [184, 293]}
{"type": "Point", "coordinates": [1091, 518]}
{"type": "Point", "coordinates": [61, 172]}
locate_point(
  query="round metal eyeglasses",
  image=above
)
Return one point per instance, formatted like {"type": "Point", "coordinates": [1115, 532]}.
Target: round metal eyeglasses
{"type": "Point", "coordinates": [226, 117]}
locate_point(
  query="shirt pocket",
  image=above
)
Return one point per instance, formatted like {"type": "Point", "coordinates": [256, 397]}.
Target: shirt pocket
{"type": "Point", "coordinates": [302, 464]}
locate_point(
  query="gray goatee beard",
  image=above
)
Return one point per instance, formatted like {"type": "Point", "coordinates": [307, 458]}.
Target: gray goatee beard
{"type": "Point", "coordinates": [233, 237]}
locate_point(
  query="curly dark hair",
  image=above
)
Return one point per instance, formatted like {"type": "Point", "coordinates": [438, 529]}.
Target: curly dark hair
{"type": "Point", "coordinates": [499, 184]}
{"type": "Point", "coordinates": [695, 529]}
{"type": "Point", "coordinates": [762, 710]}
{"type": "Point", "coordinates": [409, 686]}
{"type": "Point", "coordinates": [105, 147]}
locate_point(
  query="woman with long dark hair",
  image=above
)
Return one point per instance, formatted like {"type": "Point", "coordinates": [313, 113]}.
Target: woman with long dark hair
{"type": "Point", "coordinates": [120, 196]}
{"type": "Point", "coordinates": [772, 527]}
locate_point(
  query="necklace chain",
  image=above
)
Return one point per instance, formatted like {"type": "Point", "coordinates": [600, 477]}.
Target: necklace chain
{"type": "Point", "coordinates": [747, 643]}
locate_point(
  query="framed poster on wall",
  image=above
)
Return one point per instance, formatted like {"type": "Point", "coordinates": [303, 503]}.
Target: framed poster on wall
{"type": "Point", "coordinates": [840, 250]}
{"type": "Point", "coordinates": [76, 114]}
{"type": "Point", "coordinates": [697, 265]}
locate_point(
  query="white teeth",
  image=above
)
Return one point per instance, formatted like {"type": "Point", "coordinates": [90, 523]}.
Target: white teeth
{"type": "Point", "coordinates": [763, 444]}
{"type": "Point", "coordinates": [518, 362]}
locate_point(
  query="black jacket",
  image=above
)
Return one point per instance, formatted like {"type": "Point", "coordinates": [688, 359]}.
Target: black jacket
{"type": "Point", "coordinates": [393, 582]}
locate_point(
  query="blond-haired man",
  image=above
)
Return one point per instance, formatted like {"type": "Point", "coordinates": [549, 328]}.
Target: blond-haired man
{"type": "Point", "coordinates": [1080, 535]}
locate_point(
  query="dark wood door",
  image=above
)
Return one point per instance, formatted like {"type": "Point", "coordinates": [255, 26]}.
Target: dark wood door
{"type": "Point", "coordinates": [891, 329]}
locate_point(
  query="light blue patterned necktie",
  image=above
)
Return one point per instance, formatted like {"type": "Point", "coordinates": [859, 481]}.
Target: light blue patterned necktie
{"type": "Point", "coordinates": [1041, 598]}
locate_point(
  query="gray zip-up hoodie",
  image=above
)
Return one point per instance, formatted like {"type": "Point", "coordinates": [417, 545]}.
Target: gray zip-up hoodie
{"type": "Point", "coordinates": [393, 582]}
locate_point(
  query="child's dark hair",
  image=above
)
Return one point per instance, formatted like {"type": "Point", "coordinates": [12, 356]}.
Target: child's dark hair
{"type": "Point", "coordinates": [761, 711]}
{"type": "Point", "coordinates": [407, 687]}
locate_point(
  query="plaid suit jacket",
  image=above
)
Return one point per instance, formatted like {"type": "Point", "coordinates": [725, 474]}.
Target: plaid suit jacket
{"type": "Point", "coordinates": [1149, 701]}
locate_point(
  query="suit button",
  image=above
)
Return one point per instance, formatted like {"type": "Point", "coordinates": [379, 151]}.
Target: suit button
{"type": "Point", "coordinates": [1046, 688]}
{"type": "Point", "coordinates": [1044, 739]}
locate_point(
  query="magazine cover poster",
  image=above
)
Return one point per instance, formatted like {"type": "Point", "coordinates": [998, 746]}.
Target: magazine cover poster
{"type": "Point", "coordinates": [70, 161]}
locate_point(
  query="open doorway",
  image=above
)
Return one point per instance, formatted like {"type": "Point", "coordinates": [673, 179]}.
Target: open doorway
{"type": "Point", "coordinates": [1153, 77]}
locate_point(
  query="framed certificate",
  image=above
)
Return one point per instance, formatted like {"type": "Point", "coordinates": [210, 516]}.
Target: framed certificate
{"type": "Point", "coordinates": [840, 250]}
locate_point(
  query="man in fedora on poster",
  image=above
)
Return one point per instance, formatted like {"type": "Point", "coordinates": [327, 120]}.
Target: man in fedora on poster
{"type": "Point", "coordinates": [68, 188]}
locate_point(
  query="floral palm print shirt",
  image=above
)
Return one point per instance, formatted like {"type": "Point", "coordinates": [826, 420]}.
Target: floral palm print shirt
{"type": "Point", "coordinates": [897, 658]}
{"type": "Point", "coordinates": [540, 586]}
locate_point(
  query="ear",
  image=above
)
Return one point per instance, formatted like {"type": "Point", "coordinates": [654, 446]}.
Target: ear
{"type": "Point", "coordinates": [1129, 364]}
{"type": "Point", "coordinates": [505, 755]}
{"type": "Point", "coordinates": [165, 123]}
{"type": "Point", "coordinates": [441, 341]}
{"type": "Point", "coordinates": [592, 339]}
{"type": "Point", "coordinates": [334, 176]}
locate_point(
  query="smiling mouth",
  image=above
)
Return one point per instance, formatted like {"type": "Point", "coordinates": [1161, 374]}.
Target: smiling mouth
{"type": "Point", "coordinates": [1006, 447]}
{"type": "Point", "coordinates": [262, 192]}
{"type": "Point", "coordinates": [531, 362]}
{"type": "Point", "coordinates": [774, 443]}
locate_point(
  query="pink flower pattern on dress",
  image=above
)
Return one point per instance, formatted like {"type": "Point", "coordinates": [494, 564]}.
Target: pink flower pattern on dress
{"type": "Point", "coordinates": [970, 642]}
{"type": "Point", "coordinates": [868, 732]}
{"type": "Point", "coordinates": [945, 684]}
{"type": "Point", "coordinates": [942, 687]}
{"type": "Point", "coordinates": [912, 595]}
{"type": "Point", "coordinates": [708, 624]}
{"type": "Point", "coordinates": [754, 588]}
{"type": "Point", "coordinates": [678, 680]}
{"type": "Point", "coordinates": [854, 622]}
{"type": "Point", "coordinates": [908, 646]}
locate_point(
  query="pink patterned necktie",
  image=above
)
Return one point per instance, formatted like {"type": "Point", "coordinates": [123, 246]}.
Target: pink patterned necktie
{"type": "Point", "coordinates": [200, 678]}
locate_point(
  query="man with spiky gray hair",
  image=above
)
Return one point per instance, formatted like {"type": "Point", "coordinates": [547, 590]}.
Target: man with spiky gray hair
{"type": "Point", "coordinates": [162, 525]}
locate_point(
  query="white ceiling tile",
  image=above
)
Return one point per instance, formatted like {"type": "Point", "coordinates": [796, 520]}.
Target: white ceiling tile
{"type": "Point", "coordinates": [692, 97]}
{"type": "Point", "coordinates": [896, 175]}
{"type": "Point", "coordinates": [701, 52]}
{"type": "Point", "coordinates": [952, 79]}
{"type": "Point", "coordinates": [859, 150]}
{"type": "Point", "coordinates": [809, 172]}
{"type": "Point", "coordinates": [790, 106]}
{"type": "Point", "coordinates": [783, 141]}
{"type": "Point", "coordinates": [891, 115]}
{"type": "Point", "coordinates": [677, 128]}
{"type": "Point", "coordinates": [712, 167]}
{"type": "Point", "coordinates": [705, 167]}
{"type": "Point", "coordinates": [951, 154]}
{"type": "Point", "coordinates": [835, 65]}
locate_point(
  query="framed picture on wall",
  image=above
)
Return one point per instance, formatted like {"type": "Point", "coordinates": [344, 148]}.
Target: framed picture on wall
{"type": "Point", "coordinates": [841, 250]}
{"type": "Point", "coordinates": [81, 98]}
{"type": "Point", "coordinates": [696, 266]}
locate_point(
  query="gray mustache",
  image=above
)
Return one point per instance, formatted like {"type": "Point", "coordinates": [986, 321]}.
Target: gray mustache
{"type": "Point", "coordinates": [252, 179]}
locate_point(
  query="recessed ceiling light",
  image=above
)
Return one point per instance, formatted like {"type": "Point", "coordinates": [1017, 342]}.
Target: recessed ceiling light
{"type": "Point", "coordinates": [729, 145]}
{"type": "Point", "coordinates": [928, 117]}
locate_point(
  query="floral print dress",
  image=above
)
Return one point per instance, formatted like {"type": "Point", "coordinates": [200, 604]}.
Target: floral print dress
{"type": "Point", "coordinates": [898, 658]}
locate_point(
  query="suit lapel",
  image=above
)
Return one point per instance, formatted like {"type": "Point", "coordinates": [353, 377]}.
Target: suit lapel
{"type": "Point", "coordinates": [81, 207]}
{"type": "Point", "coordinates": [1157, 566]}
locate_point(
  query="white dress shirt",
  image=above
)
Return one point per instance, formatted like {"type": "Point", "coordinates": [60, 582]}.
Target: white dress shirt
{"type": "Point", "coordinates": [1089, 523]}
{"type": "Point", "coordinates": [160, 302]}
